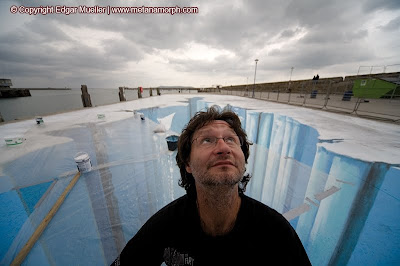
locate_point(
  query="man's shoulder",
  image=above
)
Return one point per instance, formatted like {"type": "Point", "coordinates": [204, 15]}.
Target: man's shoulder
{"type": "Point", "coordinates": [178, 204]}
{"type": "Point", "coordinates": [257, 206]}
{"type": "Point", "coordinates": [174, 210]}
{"type": "Point", "coordinates": [261, 211]}
{"type": "Point", "coordinates": [148, 244]}
{"type": "Point", "coordinates": [273, 230]}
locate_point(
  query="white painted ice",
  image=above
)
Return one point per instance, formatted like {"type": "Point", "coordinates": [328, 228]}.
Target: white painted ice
{"type": "Point", "coordinates": [363, 139]}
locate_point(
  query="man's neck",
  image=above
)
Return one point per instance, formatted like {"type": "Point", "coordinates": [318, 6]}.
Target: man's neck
{"type": "Point", "coordinates": [218, 209]}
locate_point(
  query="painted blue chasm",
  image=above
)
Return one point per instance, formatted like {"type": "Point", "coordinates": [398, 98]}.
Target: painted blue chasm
{"type": "Point", "coordinates": [345, 211]}
{"type": "Point", "coordinates": [379, 239]}
{"type": "Point", "coordinates": [32, 194]}
{"type": "Point", "coordinates": [12, 216]}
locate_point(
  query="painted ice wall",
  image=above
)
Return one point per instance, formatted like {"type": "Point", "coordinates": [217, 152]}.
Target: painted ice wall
{"type": "Point", "coordinates": [346, 211]}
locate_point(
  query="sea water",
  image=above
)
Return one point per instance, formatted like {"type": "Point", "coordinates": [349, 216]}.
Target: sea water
{"type": "Point", "coordinates": [45, 102]}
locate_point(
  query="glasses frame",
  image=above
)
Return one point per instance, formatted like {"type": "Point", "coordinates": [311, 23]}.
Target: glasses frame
{"type": "Point", "coordinates": [216, 141]}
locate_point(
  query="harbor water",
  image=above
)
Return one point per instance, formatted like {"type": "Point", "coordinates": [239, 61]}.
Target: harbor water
{"type": "Point", "coordinates": [45, 102]}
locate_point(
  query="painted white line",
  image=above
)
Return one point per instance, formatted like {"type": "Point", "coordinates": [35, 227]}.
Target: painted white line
{"type": "Point", "coordinates": [345, 182]}
{"type": "Point", "coordinates": [312, 202]}
{"type": "Point", "coordinates": [293, 213]}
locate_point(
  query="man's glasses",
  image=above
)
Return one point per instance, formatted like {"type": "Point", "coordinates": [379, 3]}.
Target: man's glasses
{"type": "Point", "coordinates": [210, 141]}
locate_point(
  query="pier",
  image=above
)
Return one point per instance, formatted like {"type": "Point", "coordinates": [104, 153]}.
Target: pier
{"type": "Point", "coordinates": [7, 92]}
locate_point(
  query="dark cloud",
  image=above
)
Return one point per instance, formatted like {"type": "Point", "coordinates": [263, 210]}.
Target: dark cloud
{"type": "Point", "coordinates": [372, 5]}
{"type": "Point", "coordinates": [393, 25]}
{"type": "Point", "coordinates": [288, 33]}
{"type": "Point", "coordinates": [221, 64]}
{"type": "Point", "coordinates": [310, 13]}
{"type": "Point", "coordinates": [308, 34]}
{"type": "Point", "coordinates": [322, 37]}
{"type": "Point", "coordinates": [313, 53]}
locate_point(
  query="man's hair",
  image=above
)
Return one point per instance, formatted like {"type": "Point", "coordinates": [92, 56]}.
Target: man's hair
{"type": "Point", "coordinates": [199, 120]}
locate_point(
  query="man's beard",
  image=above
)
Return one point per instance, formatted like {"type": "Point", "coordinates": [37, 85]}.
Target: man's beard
{"type": "Point", "coordinates": [222, 177]}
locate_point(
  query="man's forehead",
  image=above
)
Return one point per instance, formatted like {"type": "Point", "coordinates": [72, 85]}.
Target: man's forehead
{"type": "Point", "coordinates": [214, 124]}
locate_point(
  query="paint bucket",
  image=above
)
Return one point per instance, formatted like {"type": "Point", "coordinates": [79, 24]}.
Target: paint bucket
{"type": "Point", "coordinates": [13, 140]}
{"type": "Point", "coordinates": [39, 120]}
{"type": "Point", "coordinates": [172, 142]}
{"type": "Point", "coordinates": [142, 116]}
{"type": "Point", "coordinates": [83, 162]}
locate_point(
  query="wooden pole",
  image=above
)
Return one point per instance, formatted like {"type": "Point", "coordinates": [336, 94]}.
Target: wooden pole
{"type": "Point", "coordinates": [122, 94]}
{"type": "Point", "coordinates": [139, 92]}
{"type": "Point", "coordinates": [86, 101]}
{"type": "Point", "coordinates": [39, 230]}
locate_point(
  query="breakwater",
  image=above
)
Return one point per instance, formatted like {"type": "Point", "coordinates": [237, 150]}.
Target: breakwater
{"type": "Point", "coordinates": [23, 92]}
{"type": "Point", "coordinates": [335, 84]}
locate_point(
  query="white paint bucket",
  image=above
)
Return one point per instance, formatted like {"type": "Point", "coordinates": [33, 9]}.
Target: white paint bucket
{"type": "Point", "coordinates": [39, 120]}
{"type": "Point", "coordinates": [142, 116]}
{"type": "Point", "coordinates": [83, 162]}
{"type": "Point", "coordinates": [13, 140]}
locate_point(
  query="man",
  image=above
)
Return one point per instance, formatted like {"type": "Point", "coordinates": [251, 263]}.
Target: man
{"type": "Point", "coordinates": [214, 223]}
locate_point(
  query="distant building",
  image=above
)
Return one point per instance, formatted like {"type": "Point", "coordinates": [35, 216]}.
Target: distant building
{"type": "Point", "coordinates": [7, 92]}
{"type": "Point", "coordinates": [5, 83]}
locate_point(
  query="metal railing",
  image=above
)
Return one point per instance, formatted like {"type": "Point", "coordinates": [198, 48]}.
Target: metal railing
{"type": "Point", "coordinates": [330, 97]}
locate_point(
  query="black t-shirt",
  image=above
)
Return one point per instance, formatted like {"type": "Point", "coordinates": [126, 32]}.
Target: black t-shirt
{"type": "Point", "coordinates": [261, 236]}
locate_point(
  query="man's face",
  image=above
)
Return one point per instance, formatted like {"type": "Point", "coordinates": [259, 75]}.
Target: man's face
{"type": "Point", "coordinates": [219, 164]}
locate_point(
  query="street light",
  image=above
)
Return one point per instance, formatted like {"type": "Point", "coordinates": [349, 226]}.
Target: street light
{"type": "Point", "coordinates": [255, 71]}
{"type": "Point", "coordinates": [290, 79]}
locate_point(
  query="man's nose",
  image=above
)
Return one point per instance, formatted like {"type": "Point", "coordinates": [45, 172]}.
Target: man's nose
{"type": "Point", "coordinates": [221, 147]}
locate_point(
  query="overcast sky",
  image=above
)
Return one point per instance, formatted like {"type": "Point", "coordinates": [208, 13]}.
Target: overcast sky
{"type": "Point", "coordinates": [218, 45]}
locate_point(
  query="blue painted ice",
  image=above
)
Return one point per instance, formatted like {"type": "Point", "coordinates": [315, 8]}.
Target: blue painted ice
{"type": "Point", "coordinates": [335, 178]}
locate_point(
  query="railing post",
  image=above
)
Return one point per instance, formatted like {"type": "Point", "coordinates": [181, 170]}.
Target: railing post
{"type": "Point", "coordinates": [327, 95]}
{"type": "Point", "coordinates": [357, 105]}
{"type": "Point", "coordinates": [391, 97]}
{"type": "Point", "coordinates": [277, 98]}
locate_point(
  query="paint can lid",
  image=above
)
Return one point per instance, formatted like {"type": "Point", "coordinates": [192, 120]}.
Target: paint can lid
{"type": "Point", "coordinates": [81, 156]}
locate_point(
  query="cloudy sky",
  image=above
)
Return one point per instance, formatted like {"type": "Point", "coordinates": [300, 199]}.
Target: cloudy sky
{"type": "Point", "coordinates": [217, 45]}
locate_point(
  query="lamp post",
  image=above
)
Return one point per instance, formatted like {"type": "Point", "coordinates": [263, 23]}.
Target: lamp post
{"type": "Point", "coordinates": [255, 72]}
{"type": "Point", "coordinates": [290, 79]}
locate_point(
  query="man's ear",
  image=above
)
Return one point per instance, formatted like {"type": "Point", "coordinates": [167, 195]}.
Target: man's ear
{"type": "Point", "coordinates": [188, 168]}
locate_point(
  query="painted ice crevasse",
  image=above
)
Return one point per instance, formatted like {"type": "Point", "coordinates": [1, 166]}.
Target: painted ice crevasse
{"type": "Point", "coordinates": [345, 210]}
